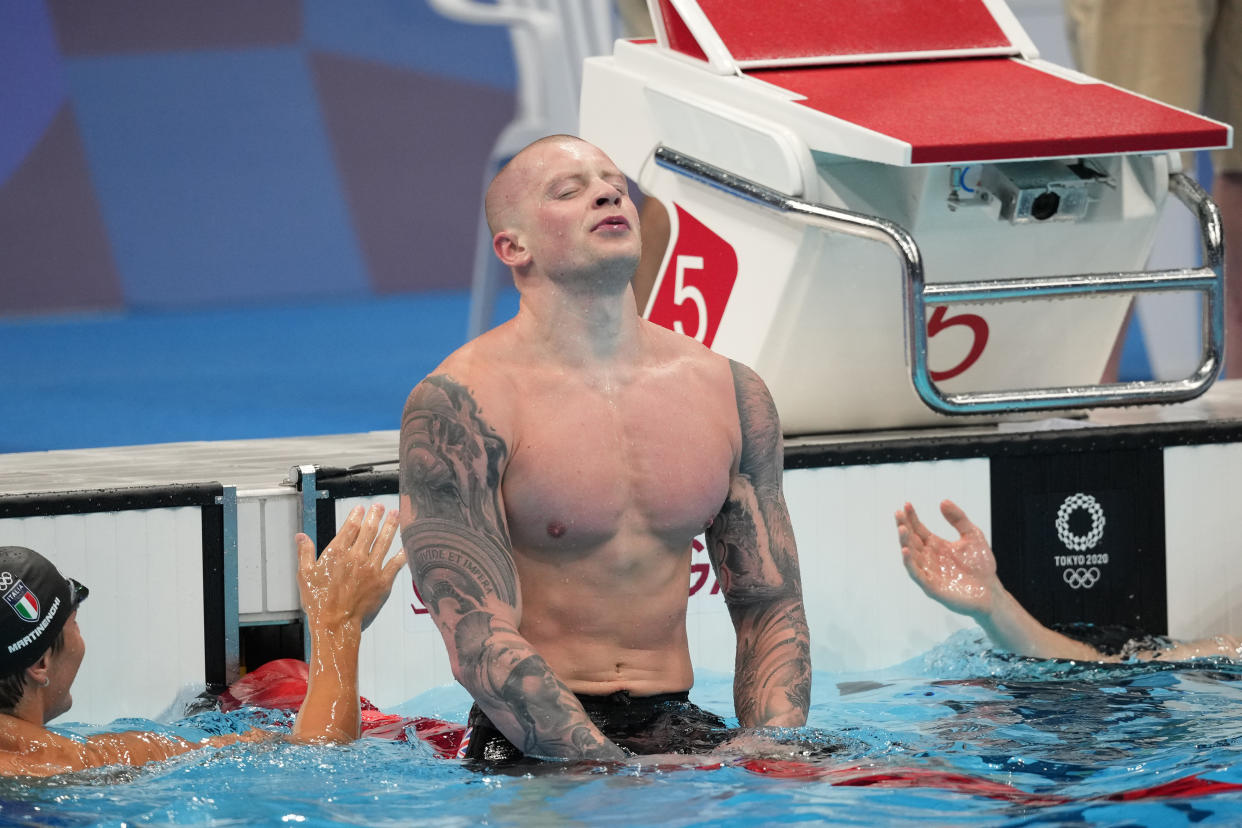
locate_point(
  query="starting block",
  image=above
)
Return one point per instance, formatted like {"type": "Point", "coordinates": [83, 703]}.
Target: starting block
{"type": "Point", "coordinates": [895, 211]}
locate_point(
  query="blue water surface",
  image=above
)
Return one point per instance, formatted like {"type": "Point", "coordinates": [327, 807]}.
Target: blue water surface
{"type": "Point", "coordinates": [1072, 734]}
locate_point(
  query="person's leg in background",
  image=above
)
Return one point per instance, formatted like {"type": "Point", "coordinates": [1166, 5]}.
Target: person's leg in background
{"type": "Point", "coordinates": [635, 20]}
{"type": "Point", "coordinates": [654, 228]}
{"type": "Point", "coordinates": [1160, 49]}
{"type": "Point", "coordinates": [652, 217]}
{"type": "Point", "coordinates": [1224, 102]}
{"type": "Point", "coordinates": [1227, 191]}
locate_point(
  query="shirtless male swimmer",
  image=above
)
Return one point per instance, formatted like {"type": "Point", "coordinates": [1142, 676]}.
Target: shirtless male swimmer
{"type": "Point", "coordinates": [554, 472]}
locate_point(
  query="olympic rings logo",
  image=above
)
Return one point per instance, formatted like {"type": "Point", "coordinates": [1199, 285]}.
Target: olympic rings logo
{"type": "Point", "coordinates": [6, 580]}
{"type": "Point", "coordinates": [1081, 578]}
{"type": "Point", "coordinates": [1080, 543]}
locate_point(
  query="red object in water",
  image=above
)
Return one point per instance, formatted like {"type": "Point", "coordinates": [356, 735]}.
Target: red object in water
{"type": "Point", "coordinates": [899, 778]}
{"type": "Point", "coordinates": [1186, 786]}
{"type": "Point", "coordinates": [1177, 789]}
{"type": "Point", "coordinates": [281, 685]}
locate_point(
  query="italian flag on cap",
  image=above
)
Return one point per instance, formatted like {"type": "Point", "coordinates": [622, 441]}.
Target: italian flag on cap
{"type": "Point", "coordinates": [23, 602]}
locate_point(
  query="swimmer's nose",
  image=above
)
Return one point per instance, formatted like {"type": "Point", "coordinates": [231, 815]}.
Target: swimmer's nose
{"type": "Point", "coordinates": [606, 193]}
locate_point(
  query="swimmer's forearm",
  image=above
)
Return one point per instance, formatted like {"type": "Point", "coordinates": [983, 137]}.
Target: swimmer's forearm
{"type": "Point", "coordinates": [472, 591]}
{"type": "Point", "coordinates": [772, 680]}
{"type": "Point", "coordinates": [331, 711]}
{"type": "Point", "coordinates": [1012, 628]}
{"type": "Point", "coordinates": [521, 695]}
{"type": "Point", "coordinates": [752, 547]}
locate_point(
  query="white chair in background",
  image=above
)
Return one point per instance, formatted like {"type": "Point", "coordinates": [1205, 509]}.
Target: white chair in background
{"type": "Point", "coordinates": [550, 40]}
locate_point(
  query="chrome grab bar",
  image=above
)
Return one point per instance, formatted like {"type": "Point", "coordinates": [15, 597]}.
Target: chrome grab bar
{"type": "Point", "coordinates": [1208, 279]}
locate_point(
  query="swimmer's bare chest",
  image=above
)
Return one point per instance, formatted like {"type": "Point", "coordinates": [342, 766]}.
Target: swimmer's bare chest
{"type": "Point", "coordinates": [588, 465]}
{"type": "Point", "coordinates": [603, 494]}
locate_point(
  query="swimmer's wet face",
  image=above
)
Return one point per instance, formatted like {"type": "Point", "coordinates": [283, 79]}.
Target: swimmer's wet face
{"type": "Point", "coordinates": [566, 211]}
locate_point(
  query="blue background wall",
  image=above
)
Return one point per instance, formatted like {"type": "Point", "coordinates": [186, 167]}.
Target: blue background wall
{"type": "Point", "coordinates": [234, 218]}
{"type": "Point", "coordinates": [179, 153]}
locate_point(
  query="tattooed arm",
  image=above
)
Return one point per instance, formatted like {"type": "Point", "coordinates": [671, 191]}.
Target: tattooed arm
{"type": "Point", "coordinates": [752, 548]}
{"type": "Point", "coordinates": [457, 542]}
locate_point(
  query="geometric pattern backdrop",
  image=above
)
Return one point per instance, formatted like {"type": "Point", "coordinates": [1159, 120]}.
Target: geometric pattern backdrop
{"type": "Point", "coordinates": [164, 154]}
{"type": "Point", "coordinates": [216, 174]}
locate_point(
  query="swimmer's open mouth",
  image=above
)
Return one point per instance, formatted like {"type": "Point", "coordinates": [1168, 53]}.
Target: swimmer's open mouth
{"type": "Point", "coordinates": [613, 222]}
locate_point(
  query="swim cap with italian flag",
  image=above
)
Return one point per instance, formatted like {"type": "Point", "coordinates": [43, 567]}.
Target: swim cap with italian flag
{"type": "Point", "coordinates": [35, 602]}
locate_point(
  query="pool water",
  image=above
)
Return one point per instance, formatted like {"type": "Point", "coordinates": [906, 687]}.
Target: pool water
{"type": "Point", "coordinates": [1063, 737]}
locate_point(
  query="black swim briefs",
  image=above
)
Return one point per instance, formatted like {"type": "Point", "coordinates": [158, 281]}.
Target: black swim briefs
{"type": "Point", "coordinates": [664, 723]}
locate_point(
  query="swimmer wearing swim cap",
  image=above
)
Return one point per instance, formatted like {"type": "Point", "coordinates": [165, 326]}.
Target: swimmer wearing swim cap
{"type": "Point", "coordinates": [42, 648]}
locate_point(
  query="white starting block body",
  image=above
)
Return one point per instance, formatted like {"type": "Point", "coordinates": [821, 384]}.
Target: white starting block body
{"type": "Point", "coordinates": [939, 120]}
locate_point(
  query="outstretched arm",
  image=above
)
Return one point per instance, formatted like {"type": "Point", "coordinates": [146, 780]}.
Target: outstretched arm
{"type": "Point", "coordinates": [455, 534]}
{"type": "Point", "coordinates": [341, 591]}
{"type": "Point", "coordinates": [27, 749]}
{"type": "Point", "coordinates": [961, 575]}
{"type": "Point", "coordinates": [752, 547]}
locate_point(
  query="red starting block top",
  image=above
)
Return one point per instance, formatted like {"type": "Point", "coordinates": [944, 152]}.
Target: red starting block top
{"type": "Point", "coordinates": [949, 78]}
{"type": "Point", "coordinates": [783, 30]}
{"type": "Point", "coordinates": [985, 109]}
{"type": "Point", "coordinates": [791, 32]}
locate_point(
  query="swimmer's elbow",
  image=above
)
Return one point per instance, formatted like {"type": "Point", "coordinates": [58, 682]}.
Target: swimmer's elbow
{"type": "Point", "coordinates": [764, 597]}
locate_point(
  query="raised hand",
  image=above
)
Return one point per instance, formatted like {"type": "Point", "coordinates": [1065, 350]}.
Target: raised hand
{"type": "Point", "coordinates": [341, 590]}
{"type": "Point", "coordinates": [961, 574]}
{"type": "Point", "coordinates": [350, 581]}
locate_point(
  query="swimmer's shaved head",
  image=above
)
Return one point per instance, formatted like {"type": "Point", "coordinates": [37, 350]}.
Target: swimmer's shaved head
{"type": "Point", "coordinates": [511, 185]}
{"type": "Point", "coordinates": [562, 207]}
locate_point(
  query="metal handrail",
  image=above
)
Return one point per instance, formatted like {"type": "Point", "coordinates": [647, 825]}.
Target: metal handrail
{"type": "Point", "coordinates": [1208, 280]}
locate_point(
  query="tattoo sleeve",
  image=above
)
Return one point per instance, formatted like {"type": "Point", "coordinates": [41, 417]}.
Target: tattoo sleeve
{"type": "Point", "coordinates": [457, 542]}
{"type": "Point", "coordinates": [752, 547]}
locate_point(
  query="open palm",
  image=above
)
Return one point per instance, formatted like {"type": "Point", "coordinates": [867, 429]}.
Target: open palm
{"type": "Point", "coordinates": [961, 575]}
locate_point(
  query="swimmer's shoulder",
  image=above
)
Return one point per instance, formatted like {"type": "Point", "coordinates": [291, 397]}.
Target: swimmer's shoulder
{"type": "Point", "coordinates": [27, 749]}
{"type": "Point", "coordinates": [693, 356]}
{"type": "Point", "coordinates": [477, 376]}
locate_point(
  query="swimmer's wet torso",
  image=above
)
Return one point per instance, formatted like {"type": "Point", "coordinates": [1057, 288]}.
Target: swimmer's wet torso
{"type": "Point", "coordinates": [602, 501]}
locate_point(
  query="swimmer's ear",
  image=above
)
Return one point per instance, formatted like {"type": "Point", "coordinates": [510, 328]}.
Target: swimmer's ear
{"type": "Point", "coordinates": [510, 250]}
{"type": "Point", "coordinates": [36, 674]}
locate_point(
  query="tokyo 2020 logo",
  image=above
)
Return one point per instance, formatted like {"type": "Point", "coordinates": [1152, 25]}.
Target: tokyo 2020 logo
{"type": "Point", "coordinates": [1081, 570]}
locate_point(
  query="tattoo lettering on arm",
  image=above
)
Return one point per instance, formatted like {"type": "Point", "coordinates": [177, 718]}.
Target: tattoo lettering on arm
{"type": "Point", "coordinates": [457, 542]}
{"type": "Point", "coordinates": [752, 547]}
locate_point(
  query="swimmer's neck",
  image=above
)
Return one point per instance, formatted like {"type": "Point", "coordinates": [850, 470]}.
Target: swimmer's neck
{"type": "Point", "coordinates": [29, 710]}
{"type": "Point", "coordinates": [580, 328]}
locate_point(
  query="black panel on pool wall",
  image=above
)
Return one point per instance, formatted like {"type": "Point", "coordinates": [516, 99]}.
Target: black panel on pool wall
{"type": "Point", "coordinates": [1080, 537]}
